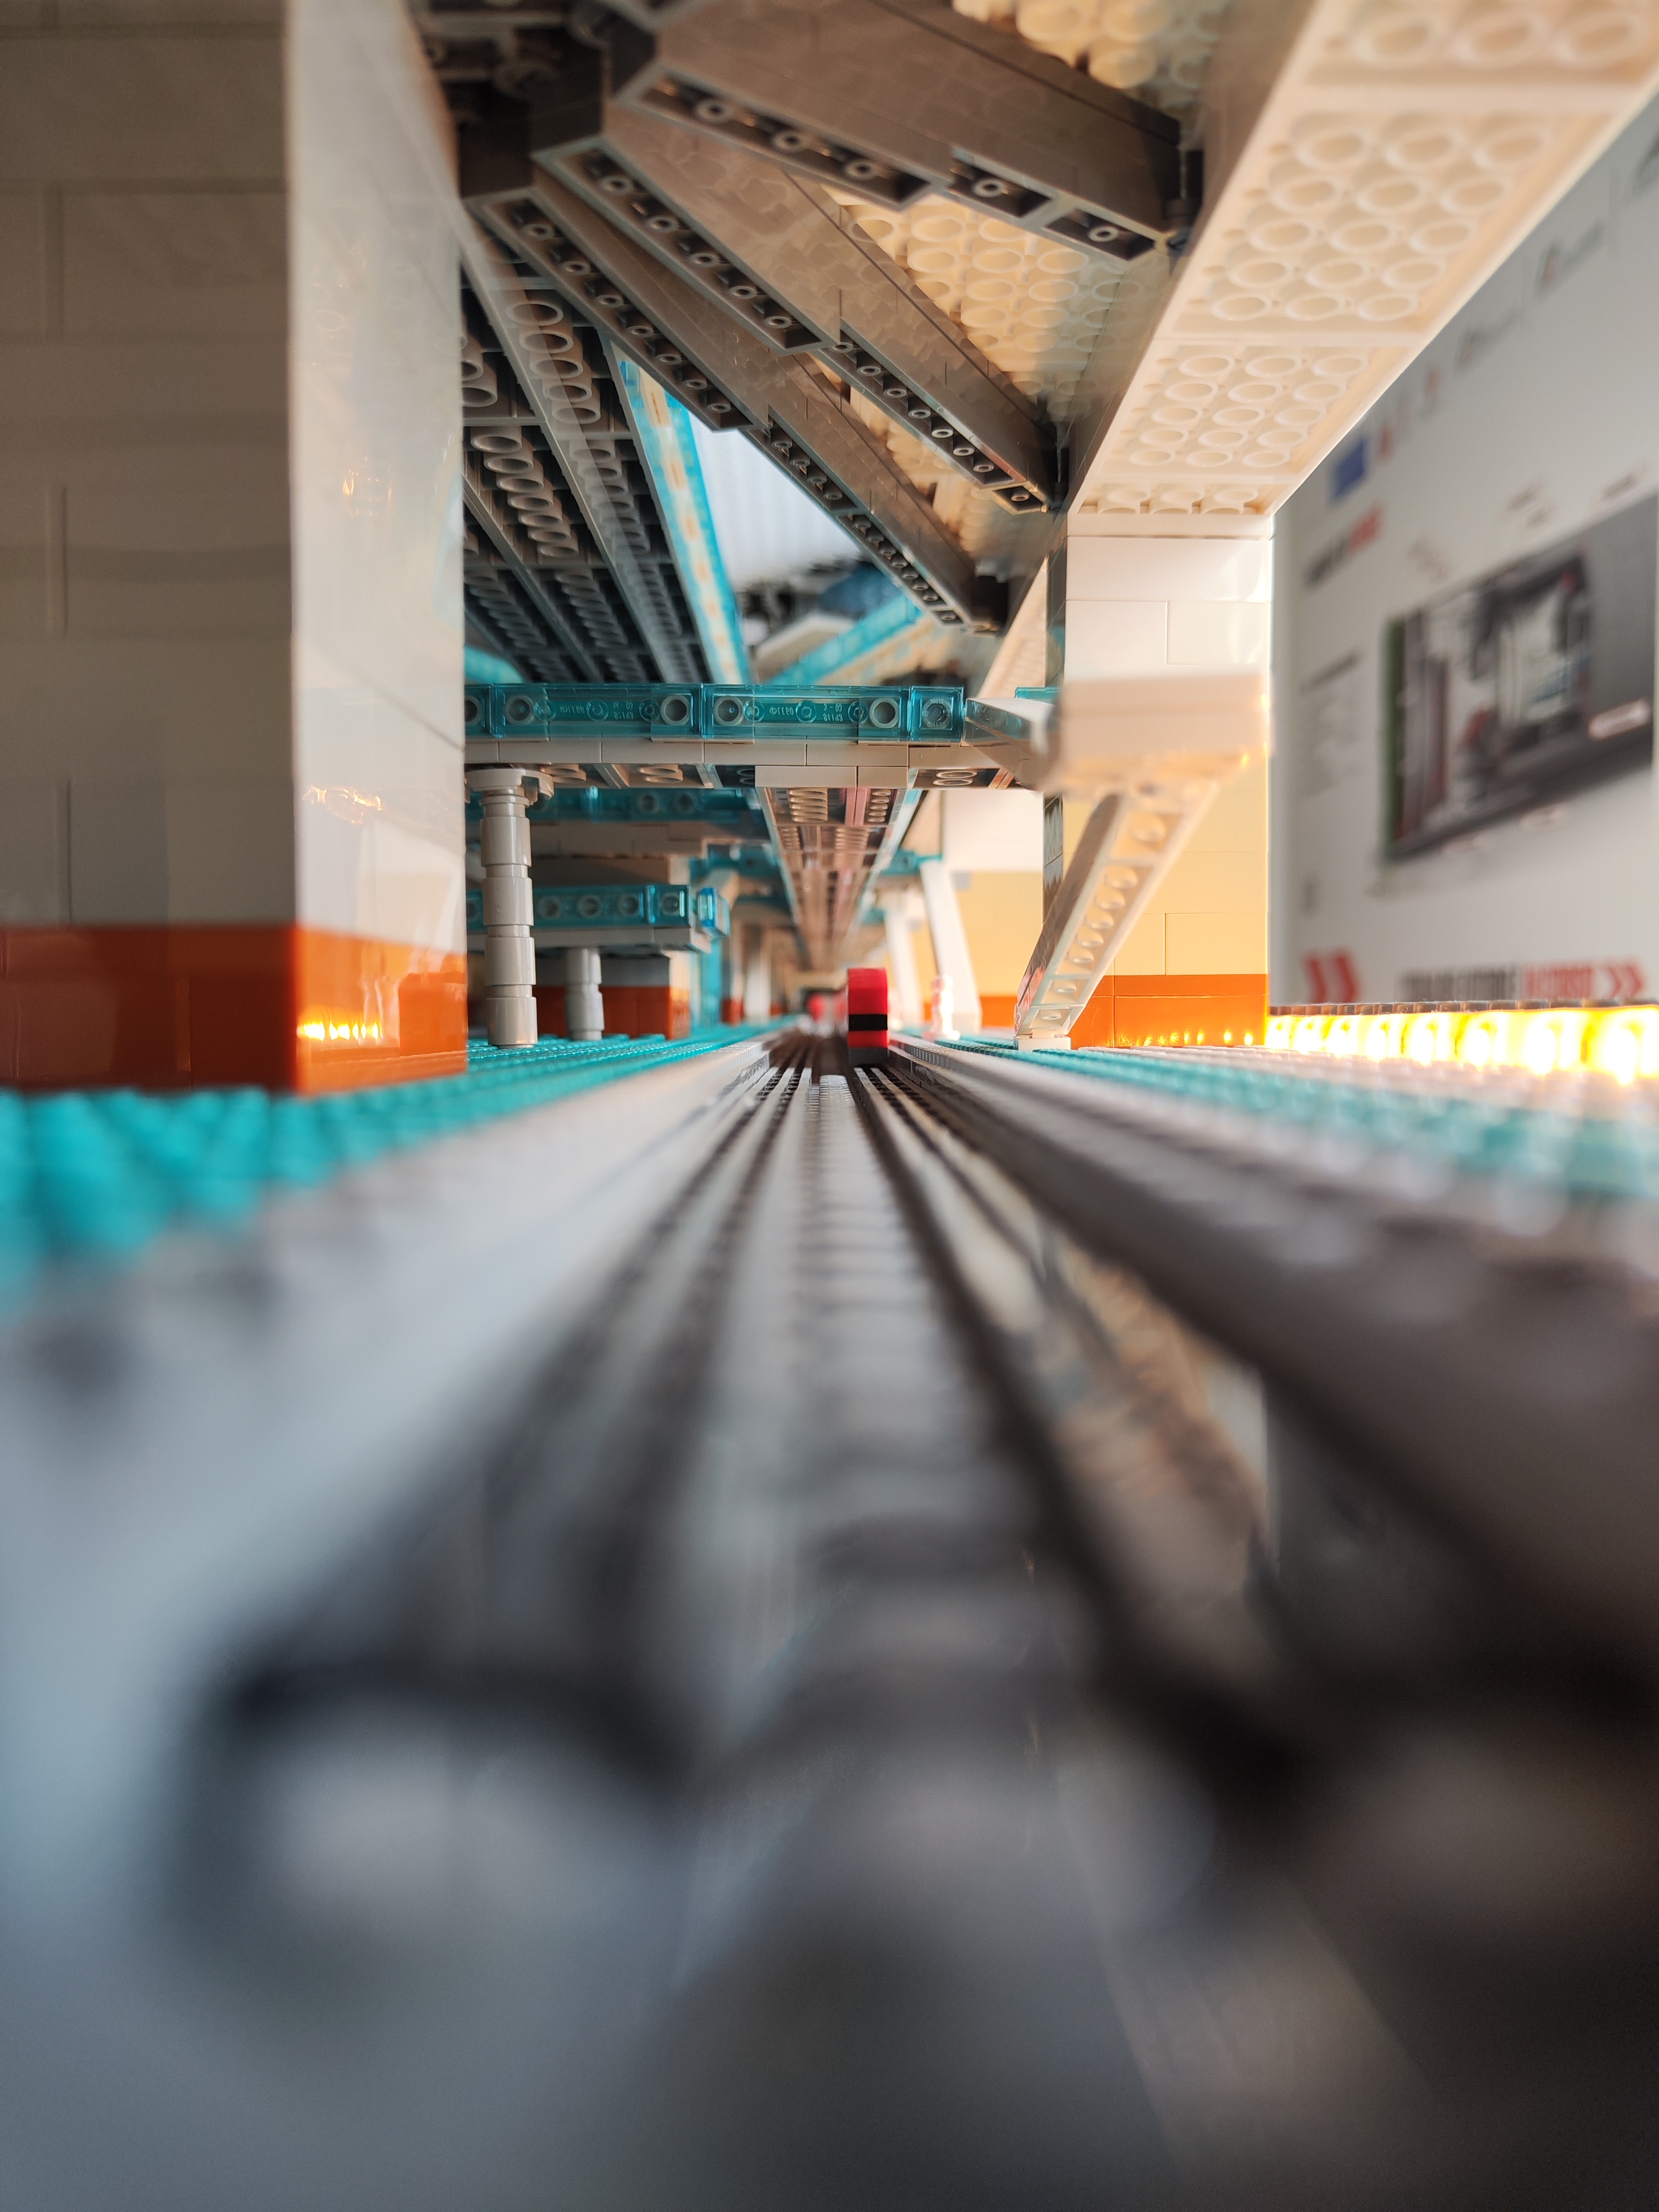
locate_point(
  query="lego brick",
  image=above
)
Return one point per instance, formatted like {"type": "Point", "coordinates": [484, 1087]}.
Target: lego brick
{"type": "Point", "coordinates": [373, 438]}
{"type": "Point", "coordinates": [882, 766]}
{"type": "Point", "coordinates": [1228, 942]}
{"type": "Point", "coordinates": [34, 850]}
{"type": "Point", "coordinates": [369, 1011]}
{"type": "Point", "coordinates": [595, 710]}
{"type": "Point", "coordinates": [26, 265]}
{"type": "Point", "coordinates": [180, 544]}
{"type": "Point", "coordinates": [1116, 637]}
{"type": "Point", "coordinates": [811, 281]}
{"type": "Point", "coordinates": [1167, 569]}
{"type": "Point", "coordinates": [209, 266]}
{"type": "Point", "coordinates": [605, 714]}
{"type": "Point", "coordinates": [631, 1011]}
{"type": "Point", "coordinates": [1205, 634]}
{"type": "Point", "coordinates": [1011, 132]}
{"type": "Point", "coordinates": [866, 1016]}
{"type": "Point", "coordinates": [178, 109]}
{"type": "Point", "coordinates": [31, 561]}
{"type": "Point", "coordinates": [1196, 1010]}
{"type": "Point", "coordinates": [378, 818]}
{"type": "Point", "coordinates": [729, 378]}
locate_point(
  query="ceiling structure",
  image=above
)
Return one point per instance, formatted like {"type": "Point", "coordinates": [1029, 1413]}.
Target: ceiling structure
{"type": "Point", "coordinates": [965, 273]}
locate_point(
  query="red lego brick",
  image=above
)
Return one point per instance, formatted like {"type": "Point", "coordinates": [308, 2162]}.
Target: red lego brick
{"type": "Point", "coordinates": [866, 1016]}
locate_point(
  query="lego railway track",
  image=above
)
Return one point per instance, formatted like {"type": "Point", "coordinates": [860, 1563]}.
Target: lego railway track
{"type": "Point", "coordinates": [834, 1733]}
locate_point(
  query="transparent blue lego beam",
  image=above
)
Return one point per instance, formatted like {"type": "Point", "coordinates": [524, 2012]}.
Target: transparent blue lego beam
{"type": "Point", "coordinates": [879, 712]}
{"type": "Point", "coordinates": [662, 435]}
{"type": "Point", "coordinates": [611, 906]}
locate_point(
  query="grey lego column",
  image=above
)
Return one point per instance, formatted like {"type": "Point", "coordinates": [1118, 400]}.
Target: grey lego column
{"type": "Point", "coordinates": [584, 1002]}
{"type": "Point", "coordinates": [509, 948]}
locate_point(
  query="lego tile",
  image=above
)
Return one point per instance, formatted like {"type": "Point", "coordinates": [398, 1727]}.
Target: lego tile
{"type": "Point", "coordinates": [34, 852]}
{"type": "Point", "coordinates": [1210, 634]}
{"type": "Point", "coordinates": [25, 302]}
{"type": "Point", "coordinates": [1168, 568]}
{"type": "Point", "coordinates": [173, 110]}
{"type": "Point", "coordinates": [1116, 637]}
{"type": "Point", "coordinates": [175, 266]}
{"type": "Point", "coordinates": [1217, 943]}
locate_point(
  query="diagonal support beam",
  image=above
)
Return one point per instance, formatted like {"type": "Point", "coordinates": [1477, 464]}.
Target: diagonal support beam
{"type": "Point", "coordinates": [731, 380]}
{"type": "Point", "coordinates": [789, 264]}
{"type": "Point", "coordinates": [898, 98]}
{"type": "Point", "coordinates": [1127, 846]}
{"type": "Point", "coordinates": [1151, 752]}
{"type": "Point", "coordinates": [500, 294]}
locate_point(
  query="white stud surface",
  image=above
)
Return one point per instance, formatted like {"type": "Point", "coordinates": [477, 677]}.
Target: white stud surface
{"type": "Point", "coordinates": [1405, 147]}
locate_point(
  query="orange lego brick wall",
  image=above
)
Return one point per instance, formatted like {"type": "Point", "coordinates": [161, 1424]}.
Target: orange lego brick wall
{"type": "Point", "coordinates": [1130, 1010]}
{"type": "Point", "coordinates": [648, 1010]}
{"type": "Point", "coordinates": [170, 1007]}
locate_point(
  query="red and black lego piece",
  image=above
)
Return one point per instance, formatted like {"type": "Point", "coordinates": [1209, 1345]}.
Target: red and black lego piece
{"type": "Point", "coordinates": [866, 1016]}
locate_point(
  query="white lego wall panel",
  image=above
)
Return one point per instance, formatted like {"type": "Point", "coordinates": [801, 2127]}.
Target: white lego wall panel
{"type": "Point", "coordinates": [375, 410]}
{"type": "Point", "coordinates": [1530, 419]}
{"type": "Point", "coordinates": [144, 600]}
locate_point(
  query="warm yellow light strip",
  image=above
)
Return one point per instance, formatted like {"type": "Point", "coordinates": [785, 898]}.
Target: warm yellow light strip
{"type": "Point", "coordinates": [1622, 1042]}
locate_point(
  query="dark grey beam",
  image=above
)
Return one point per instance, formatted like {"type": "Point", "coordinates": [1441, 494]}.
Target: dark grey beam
{"type": "Point", "coordinates": [781, 255]}
{"type": "Point", "coordinates": [731, 380]}
{"type": "Point", "coordinates": [498, 293]}
{"type": "Point", "coordinates": [896, 98]}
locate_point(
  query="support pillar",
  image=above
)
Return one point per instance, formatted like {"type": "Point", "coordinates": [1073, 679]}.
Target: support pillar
{"type": "Point", "coordinates": [505, 795]}
{"type": "Point", "coordinates": [951, 954]}
{"type": "Point", "coordinates": [583, 1001]}
{"type": "Point", "coordinates": [230, 622]}
{"type": "Point", "coordinates": [902, 959]}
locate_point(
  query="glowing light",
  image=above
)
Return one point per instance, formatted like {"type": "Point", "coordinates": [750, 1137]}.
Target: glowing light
{"type": "Point", "coordinates": [1539, 1052]}
{"type": "Point", "coordinates": [1429, 1038]}
{"type": "Point", "coordinates": [1624, 1043]}
{"type": "Point", "coordinates": [325, 1029]}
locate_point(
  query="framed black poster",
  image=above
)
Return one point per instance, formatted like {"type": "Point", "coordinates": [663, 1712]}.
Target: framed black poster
{"type": "Point", "coordinates": [1534, 680]}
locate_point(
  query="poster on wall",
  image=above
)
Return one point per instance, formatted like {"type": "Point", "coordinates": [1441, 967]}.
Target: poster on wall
{"type": "Point", "coordinates": [1536, 679]}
